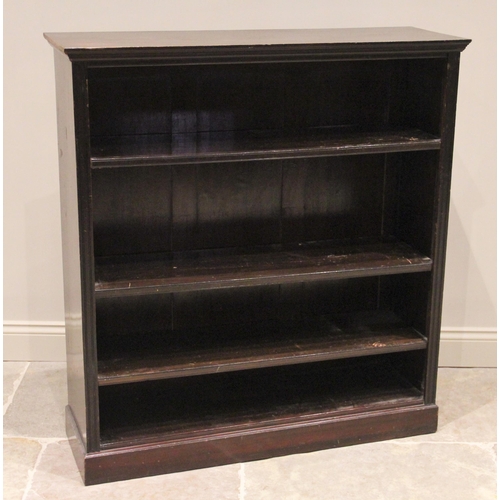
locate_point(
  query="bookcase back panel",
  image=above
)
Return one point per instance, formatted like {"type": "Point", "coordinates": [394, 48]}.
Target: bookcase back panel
{"type": "Point", "coordinates": [223, 99]}
{"type": "Point", "coordinates": [273, 303]}
{"type": "Point", "coordinates": [130, 101]}
{"type": "Point", "coordinates": [338, 198]}
{"type": "Point", "coordinates": [424, 90]}
{"type": "Point", "coordinates": [216, 308]}
{"type": "Point", "coordinates": [288, 97]}
{"type": "Point", "coordinates": [132, 316]}
{"type": "Point", "coordinates": [226, 205]}
{"type": "Point", "coordinates": [417, 176]}
{"type": "Point", "coordinates": [139, 210]}
{"type": "Point", "coordinates": [409, 297]}
{"type": "Point", "coordinates": [131, 211]}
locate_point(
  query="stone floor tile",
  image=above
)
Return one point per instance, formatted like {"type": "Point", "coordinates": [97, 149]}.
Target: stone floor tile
{"type": "Point", "coordinates": [19, 457]}
{"type": "Point", "coordinates": [57, 478]}
{"type": "Point", "coordinates": [477, 385]}
{"type": "Point", "coordinates": [38, 406]}
{"type": "Point", "coordinates": [378, 471]}
{"type": "Point", "coordinates": [11, 373]}
{"type": "Point", "coordinates": [458, 462]}
{"type": "Point", "coordinates": [467, 406]}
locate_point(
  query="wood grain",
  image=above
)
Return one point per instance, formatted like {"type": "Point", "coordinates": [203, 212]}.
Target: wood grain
{"type": "Point", "coordinates": [203, 271]}
{"type": "Point", "coordinates": [249, 399]}
{"type": "Point", "coordinates": [207, 147]}
{"type": "Point", "coordinates": [161, 355]}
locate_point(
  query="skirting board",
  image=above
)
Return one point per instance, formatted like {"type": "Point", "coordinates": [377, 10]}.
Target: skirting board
{"type": "Point", "coordinates": [45, 341]}
{"type": "Point", "coordinates": [34, 341]}
{"type": "Point", "coordinates": [462, 347]}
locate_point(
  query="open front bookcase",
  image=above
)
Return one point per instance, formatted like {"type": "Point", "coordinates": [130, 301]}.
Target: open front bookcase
{"type": "Point", "coordinates": [254, 231]}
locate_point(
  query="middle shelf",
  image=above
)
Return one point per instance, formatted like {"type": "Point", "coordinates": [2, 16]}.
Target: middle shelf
{"type": "Point", "coordinates": [162, 355]}
{"type": "Point", "coordinates": [135, 275]}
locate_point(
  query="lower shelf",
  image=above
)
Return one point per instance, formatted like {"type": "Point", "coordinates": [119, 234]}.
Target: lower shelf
{"type": "Point", "coordinates": [161, 355]}
{"type": "Point", "coordinates": [239, 402]}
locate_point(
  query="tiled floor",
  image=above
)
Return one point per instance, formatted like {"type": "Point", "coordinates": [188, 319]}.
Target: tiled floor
{"type": "Point", "coordinates": [456, 463]}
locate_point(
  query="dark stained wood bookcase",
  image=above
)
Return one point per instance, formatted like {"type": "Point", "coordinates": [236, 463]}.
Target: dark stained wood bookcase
{"type": "Point", "coordinates": [254, 231]}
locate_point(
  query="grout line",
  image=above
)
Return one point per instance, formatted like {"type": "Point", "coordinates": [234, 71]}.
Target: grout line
{"type": "Point", "coordinates": [31, 473]}
{"type": "Point", "coordinates": [242, 490]}
{"type": "Point", "coordinates": [16, 384]}
{"type": "Point", "coordinates": [45, 442]}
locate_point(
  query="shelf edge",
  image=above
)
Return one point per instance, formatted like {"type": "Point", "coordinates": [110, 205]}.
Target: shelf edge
{"type": "Point", "coordinates": [248, 364]}
{"type": "Point", "coordinates": [120, 291]}
{"type": "Point", "coordinates": [167, 160]}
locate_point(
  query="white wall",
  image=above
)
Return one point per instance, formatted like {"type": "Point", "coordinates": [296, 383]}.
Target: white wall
{"type": "Point", "coordinates": [33, 297]}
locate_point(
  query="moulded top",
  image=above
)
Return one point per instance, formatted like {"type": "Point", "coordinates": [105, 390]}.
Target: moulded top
{"type": "Point", "coordinates": [105, 45]}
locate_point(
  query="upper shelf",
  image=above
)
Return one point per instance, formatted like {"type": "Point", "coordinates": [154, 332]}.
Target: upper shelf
{"type": "Point", "coordinates": [135, 276]}
{"type": "Point", "coordinates": [207, 147]}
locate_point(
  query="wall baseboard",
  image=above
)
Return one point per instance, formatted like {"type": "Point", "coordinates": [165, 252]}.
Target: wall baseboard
{"type": "Point", "coordinates": [34, 341]}
{"type": "Point", "coordinates": [469, 347]}
{"type": "Point", "coordinates": [45, 341]}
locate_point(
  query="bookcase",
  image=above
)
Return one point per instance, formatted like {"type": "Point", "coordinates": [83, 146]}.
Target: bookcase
{"type": "Point", "coordinates": [254, 235]}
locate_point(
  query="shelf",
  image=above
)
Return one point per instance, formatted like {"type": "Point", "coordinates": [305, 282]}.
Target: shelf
{"type": "Point", "coordinates": [252, 399]}
{"type": "Point", "coordinates": [204, 147]}
{"type": "Point", "coordinates": [161, 355]}
{"type": "Point", "coordinates": [204, 270]}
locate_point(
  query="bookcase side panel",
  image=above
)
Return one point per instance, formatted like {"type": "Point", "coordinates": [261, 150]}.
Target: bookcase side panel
{"type": "Point", "coordinates": [70, 241]}
{"type": "Point", "coordinates": [441, 215]}
{"type": "Point", "coordinates": [77, 270]}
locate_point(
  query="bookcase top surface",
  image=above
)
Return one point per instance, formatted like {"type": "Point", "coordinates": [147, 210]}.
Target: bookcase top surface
{"type": "Point", "coordinates": [87, 45]}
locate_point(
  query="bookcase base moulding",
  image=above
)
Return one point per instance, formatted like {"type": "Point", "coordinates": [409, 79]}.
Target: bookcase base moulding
{"type": "Point", "coordinates": [254, 235]}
